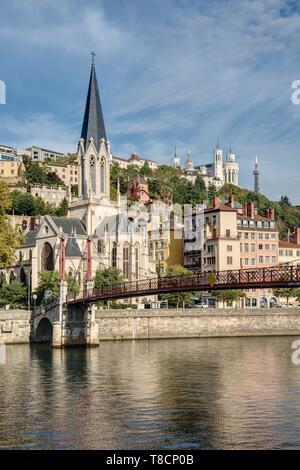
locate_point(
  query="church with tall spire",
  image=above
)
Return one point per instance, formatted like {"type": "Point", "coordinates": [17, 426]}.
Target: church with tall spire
{"type": "Point", "coordinates": [114, 236]}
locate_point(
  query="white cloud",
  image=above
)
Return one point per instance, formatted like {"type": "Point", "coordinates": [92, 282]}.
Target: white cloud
{"type": "Point", "coordinates": [178, 73]}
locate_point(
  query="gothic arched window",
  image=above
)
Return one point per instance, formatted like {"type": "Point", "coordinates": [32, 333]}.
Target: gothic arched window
{"type": "Point", "coordinates": [102, 175]}
{"type": "Point", "coordinates": [47, 258]}
{"type": "Point", "coordinates": [137, 258]}
{"type": "Point", "coordinates": [100, 246]}
{"type": "Point", "coordinates": [114, 255]}
{"type": "Point", "coordinates": [2, 277]}
{"type": "Point", "coordinates": [92, 173]}
{"type": "Point", "coordinates": [12, 277]}
{"type": "Point", "coordinates": [126, 261]}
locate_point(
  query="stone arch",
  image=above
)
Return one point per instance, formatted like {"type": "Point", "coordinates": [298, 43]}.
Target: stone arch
{"type": "Point", "coordinates": [44, 331]}
{"type": "Point", "coordinates": [47, 258]}
{"type": "Point", "coordinates": [263, 302]}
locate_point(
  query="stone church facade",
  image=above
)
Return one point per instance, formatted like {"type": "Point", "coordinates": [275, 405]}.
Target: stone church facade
{"type": "Point", "coordinates": [94, 222]}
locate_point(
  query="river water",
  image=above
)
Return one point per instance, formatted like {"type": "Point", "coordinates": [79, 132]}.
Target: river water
{"type": "Point", "coordinates": [221, 393]}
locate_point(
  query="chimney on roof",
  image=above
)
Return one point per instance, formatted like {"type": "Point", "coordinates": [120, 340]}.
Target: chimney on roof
{"type": "Point", "coordinates": [231, 201]}
{"type": "Point", "coordinates": [297, 235]}
{"type": "Point", "coordinates": [250, 210]}
{"type": "Point", "coordinates": [270, 213]}
{"type": "Point", "coordinates": [215, 201]}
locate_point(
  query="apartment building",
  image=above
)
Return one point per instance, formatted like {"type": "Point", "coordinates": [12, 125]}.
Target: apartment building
{"type": "Point", "coordinates": [10, 167]}
{"type": "Point", "coordinates": [233, 237]}
{"type": "Point", "coordinates": [213, 243]}
{"type": "Point", "coordinates": [165, 238]}
{"type": "Point", "coordinates": [40, 154]}
{"type": "Point", "coordinates": [135, 160]}
{"type": "Point", "coordinates": [68, 173]}
{"type": "Point", "coordinates": [258, 237]}
{"type": "Point", "coordinates": [289, 249]}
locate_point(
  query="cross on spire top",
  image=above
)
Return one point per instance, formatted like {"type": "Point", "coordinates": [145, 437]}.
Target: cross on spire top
{"type": "Point", "coordinates": [93, 54]}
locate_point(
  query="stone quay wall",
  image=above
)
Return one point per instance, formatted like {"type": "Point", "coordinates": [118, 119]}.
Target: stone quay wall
{"type": "Point", "coordinates": [16, 325]}
{"type": "Point", "coordinates": [194, 323]}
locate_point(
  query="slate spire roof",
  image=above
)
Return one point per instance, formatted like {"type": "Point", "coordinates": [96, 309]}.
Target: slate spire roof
{"type": "Point", "coordinates": [93, 123]}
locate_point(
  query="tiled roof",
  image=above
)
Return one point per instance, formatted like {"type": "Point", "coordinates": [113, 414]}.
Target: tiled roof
{"type": "Point", "coordinates": [284, 244]}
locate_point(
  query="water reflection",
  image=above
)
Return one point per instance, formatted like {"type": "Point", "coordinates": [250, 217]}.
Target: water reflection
{"type": "Point", "coordinates": [196, 393]}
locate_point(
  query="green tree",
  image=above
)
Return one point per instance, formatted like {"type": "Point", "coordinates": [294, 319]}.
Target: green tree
{"type": "Point", "coordinates": [107, 277]}
{"type": "Point", "coordinates": [72, 284]}
{"type": "Point", "coordinates": [229, 295]}
{"type": "Point", "coordinates": [179, 299]}
{"type": "Point", "coordinates": [14, 294]}
{"type": "Point", "coordinates": [48, 281]}
{"type": "Point", "coordinates": [10, 238]}
{"type": "Point", "coordinates": [286, 293]}
{"type": "Point", "coordinates": [5, 198]}
{"type": "Point", "coordinates": [35, 173]}
{"type": "Point", "coordinates": [62, 209]}
{"type": "Point", "coordinates": [145, 170]}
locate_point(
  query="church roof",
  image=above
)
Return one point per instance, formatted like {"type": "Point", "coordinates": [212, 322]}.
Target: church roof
{"type": "Point", "coordinates": [69, 225]}
{"type": "Point", "coordinates": [30, 238]}
{"type": "Point", "coordinates": [72, 248]}
{"type": "Point", "coordinates": [93, 123]}
{"type": "Point", "coordinates": [117, 223]}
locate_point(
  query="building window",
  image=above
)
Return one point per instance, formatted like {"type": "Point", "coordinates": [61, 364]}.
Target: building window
{"type": "Point", "coordinates": [252, 247]}
{"type": "Point", "coordinates": [229, 259]}
{"type": "Point", "coordinates": [246, 261]}
{"type": "Point", "coordinates": [47, 258]}
{"type": "Point", "coordinates": [260, 259]}
{"type": "Point", "coordinates": [114, 255]}
{"type": "Point", "coordinates": [229, 247]}
{"type": "Point", "coordinates": [126, 261]}
{"type": "Point", "coordinates": [137, 256]}
{"type": "Point", "coordinates": [100, 246]}
{"type": "Point", "coordinates": [227, 233]}
{"type": "Point", "coordinates": [102, 175]}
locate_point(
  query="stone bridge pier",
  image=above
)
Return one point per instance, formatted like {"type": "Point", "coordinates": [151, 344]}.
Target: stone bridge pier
{"type": "Point", "coordinates": [62, 325]}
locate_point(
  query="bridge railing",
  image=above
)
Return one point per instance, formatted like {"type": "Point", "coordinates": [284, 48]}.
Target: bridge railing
{"type": "Point", "coordinates": [242, 278]}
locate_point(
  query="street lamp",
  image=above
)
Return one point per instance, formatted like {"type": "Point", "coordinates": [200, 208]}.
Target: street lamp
{"type": "Point", "coordinates": [34, 300]}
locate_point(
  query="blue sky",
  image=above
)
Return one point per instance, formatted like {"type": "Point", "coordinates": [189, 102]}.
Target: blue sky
{"type": "Point", "coordinates": [171, 72]}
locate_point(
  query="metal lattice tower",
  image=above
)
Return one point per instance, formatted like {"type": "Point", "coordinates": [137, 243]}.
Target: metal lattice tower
{"type": "Point", "coordinates": [256, 177]}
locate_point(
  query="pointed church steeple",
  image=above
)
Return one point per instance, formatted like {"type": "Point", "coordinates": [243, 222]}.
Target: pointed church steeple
{"type": "Point", "coordinates": [93, 123]}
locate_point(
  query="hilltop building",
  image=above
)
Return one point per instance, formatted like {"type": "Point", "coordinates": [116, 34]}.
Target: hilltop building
{"type": "Point", "coordinates": [216, 173]}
